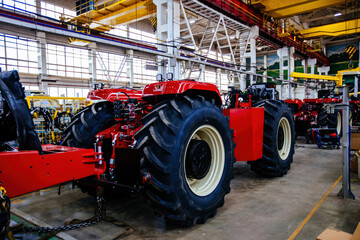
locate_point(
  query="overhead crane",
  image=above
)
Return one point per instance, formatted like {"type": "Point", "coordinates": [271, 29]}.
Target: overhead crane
{"type": "Point", "coordinates": [334, 29]}
{"type": "Point", "coordinates": [282, 9]}
{"type": "Point", "coordinates": [105, 14]}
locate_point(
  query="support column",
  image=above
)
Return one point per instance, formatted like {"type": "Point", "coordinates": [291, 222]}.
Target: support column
{"type": "Point", "coordinates": [324, 70]}
{"type": "Point", "coordinates": [168, 30]}
{"type": "Point", "coordinates": [283, 54]}
{"type": "Point", "coordinates": [218, 78]}
{"type": "Point", "coordinates": [291, 68]}
{"type": "Point", "coordinates": [254, 33]}
{"type": "Point", "coordinates": [265, 73]}
{"type": "Point", "coordinates": [130, 67]}
{"type": "Point", "coordinates": [92, 62]}
{"type": "Point", "coordinates": [38, 7]}
{"type": "Point", "coordinates": [42, 61]}
{"type": "Point", "coordinates": [311, 62]}
{"type": "Point", "coordinates": [356, 88]}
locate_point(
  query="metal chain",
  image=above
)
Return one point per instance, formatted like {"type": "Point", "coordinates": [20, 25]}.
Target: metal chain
{"type": "Point", "coordinates": [99, 200]}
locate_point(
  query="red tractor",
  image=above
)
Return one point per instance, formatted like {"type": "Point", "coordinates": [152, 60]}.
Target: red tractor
{"type": "Point", "coordinates": [173, 140]}
{"type": "Point", "coordinates": [312, 113]}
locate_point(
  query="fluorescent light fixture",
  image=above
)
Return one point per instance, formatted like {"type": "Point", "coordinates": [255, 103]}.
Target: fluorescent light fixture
{"type": "Point", "coordinates": [192, 21]}
{"type": "Point", "coordinates": [78, 42]}
{"type": "Point", "coordinates": [232, 37]}
{"type": "Point", "coordinates": [337, 14]}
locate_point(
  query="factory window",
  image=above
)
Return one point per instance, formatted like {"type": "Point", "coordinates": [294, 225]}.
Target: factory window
{"type": "Point", "coordinates": [142, 35]}
{"type": "Point", "coordinates": [17, 53]}
{"type": "Point", "coordinates": [53, 11]}
{"type": "Point", "coordinates": [67, 61]}
{"type": "Point", "coordinates": [68, 92]}
{"type": "Point", "coordinates": [24, 6]}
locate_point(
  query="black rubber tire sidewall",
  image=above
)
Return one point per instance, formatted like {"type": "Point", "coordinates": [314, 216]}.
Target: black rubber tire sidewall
{"type": "Point", "coordinates": [271, 164]}
{"type": "Point", "coordinates": [202, 117]}
{"type": "Point", "coordinates": [169, 194]}
{"type": "Point", "coordinates": [89, 122]}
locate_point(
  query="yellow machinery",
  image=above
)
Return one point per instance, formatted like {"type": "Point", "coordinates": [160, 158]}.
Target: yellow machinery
{"type": "Point", "coordinates": [338, 78]}
{"type": "Point", "coordinates": [52, 115]}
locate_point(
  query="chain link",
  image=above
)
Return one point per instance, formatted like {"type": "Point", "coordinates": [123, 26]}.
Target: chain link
{"type": "Point", "coordinates": [99, 201]}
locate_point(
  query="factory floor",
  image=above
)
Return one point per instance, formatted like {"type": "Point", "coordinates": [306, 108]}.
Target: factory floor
{"type": "Point", "coordinates": [257, 208]}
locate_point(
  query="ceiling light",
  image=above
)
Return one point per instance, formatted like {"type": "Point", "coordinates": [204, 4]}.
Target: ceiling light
{"type": "Point", "coordinates": [337, 14]}
{"type": "Point", "coordinates": [192, 21]}
{"type": "Point", "coordinates": [232, 37]}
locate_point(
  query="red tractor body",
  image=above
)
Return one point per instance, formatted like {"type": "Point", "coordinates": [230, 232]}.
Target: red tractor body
{"type": "Point", "coordinates": [171, 140]}
{"type": "Point", "coordinates": [310, 113]}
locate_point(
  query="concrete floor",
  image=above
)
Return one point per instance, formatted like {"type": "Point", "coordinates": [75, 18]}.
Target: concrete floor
{"type": "Point", "coordinates": [256, 209]}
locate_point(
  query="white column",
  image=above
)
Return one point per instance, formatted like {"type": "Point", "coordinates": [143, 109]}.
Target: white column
{"type": "Point", "coordinates": [92, 62]}
{"type": "Point", "coordinates": [38, 7]}
{"type": "Point", "coordinates": [42, 61]}
{"type": "Point", "coordinates": [168, 30]}
{"type": "Point", "coordinates": [254, 33]}
{"type": "Point", "coordinates": [291, 68]}
{"type": "Point", "coordinates": [218, 78]}
{"type": "Point", "coordinates": [324, 70]}
{"type": "Point", "coordinates": [283, 54]}
{"type": "Point", "coordinates": [130, 67]}
{"type": "Point", "coordinates": [311, 62]}
{"type": "Point", "coordinates": [265, 73]}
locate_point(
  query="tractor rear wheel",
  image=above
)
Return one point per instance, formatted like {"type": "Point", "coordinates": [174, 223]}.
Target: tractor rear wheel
{"type": "Point", "coordinates": [186, 146]}
{"type": "Point", "coordinates": [87, 123]}
{"type": "Point", "coordinates": [278, 139]}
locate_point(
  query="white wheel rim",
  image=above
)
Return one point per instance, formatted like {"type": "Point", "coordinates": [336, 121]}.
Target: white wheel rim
{"type": "Point", "coordinates": [338, 125]}
{"type": "Point", "coordinates": [206, 185]}
{"type": "Point", "coordinates": [284, 151]}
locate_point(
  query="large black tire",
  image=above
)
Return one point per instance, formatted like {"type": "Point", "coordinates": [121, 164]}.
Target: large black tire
{"type": "Point", "coordinates": [330, 120]}
{"type": "Point", "coordinates": [182, 190]}
{"type": "Point", "coordinates": [87, 123]}
{"type": "Point", "coordinates": [278, 140]}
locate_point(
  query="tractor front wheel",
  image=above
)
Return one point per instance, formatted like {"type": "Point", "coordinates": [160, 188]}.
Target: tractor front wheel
{"type": "Point", "coordinates": [186, 146]}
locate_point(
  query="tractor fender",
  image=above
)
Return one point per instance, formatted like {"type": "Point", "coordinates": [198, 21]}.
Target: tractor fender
{"type": "Point", "coordinates": [111, 94]}
{"type": "Point", "coordinates": [167, 89]}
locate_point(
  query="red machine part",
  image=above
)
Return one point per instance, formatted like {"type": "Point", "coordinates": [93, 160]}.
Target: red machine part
{"type": "Point", "coordinates": [113, 94]}
{"type": "Point", "coordinates": [322, 100]}
{"type": "Point", "coordinates": [297, 102]}
{"type": "Point", "coordinates": [178, 87]}
{"type": "Point", "coordinates": [310, 116]}
{"type": "Point", "coordinates": [248, 126]}
{"type": "Point", "coordinates": [27, 171]}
